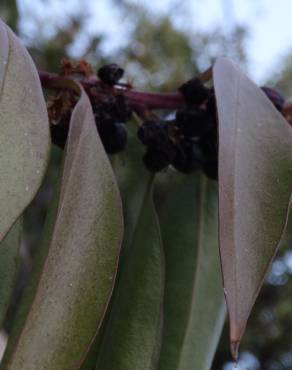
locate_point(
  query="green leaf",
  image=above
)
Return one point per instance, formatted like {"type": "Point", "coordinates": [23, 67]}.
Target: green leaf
{"type": "Point", "coordinates": [24, 129]}
{"type": "Point", "coordinates": [134, 181]}
{"type": "Point", "coordinates": [194, 307]}
{"type": "Point", "coordinates": [9, 262]}
{"type": "Point", "coordinates": [79, 271]}
{"type": "Point", "coordinates": [31, 287]}
{"type": "Point", "coordinates": [133, 328]}
{"type": "Point", "coordinates": [255, 181]}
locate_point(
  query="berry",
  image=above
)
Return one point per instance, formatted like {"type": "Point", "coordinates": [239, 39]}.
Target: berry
{"type": "Point", "coordinates": [160, 149]}
{"type": "Point", "coordinates": [112, 107]}
{"type": "Point", "coordinates": [113, 135]}
{"type": "Point", "coordinates": [194, 91]}
{"type": "Point", "coordinates": [155, 160]}
{"type": "Point", "coordinates": [276, 98]}
{"type": "Point", "coordinates": [188, 157]}
{"type": "Point", "coordinates": [211, 170]}
{"type": "Point", "coordinates": [151, 133]}
{"type": "Point", "coordinates": [155, 134]}
{"type": "Point", "coordinates": [211, 107]}
{"type": "Point", "coordinates": [110, 74]}
{"type": "Point", "coordinates": [120, 138]}
{"type": "Point", "coordinates": [121, 109]}
{"type": "Point", "coordinates": [102, 109]}
{"type": "Point", "coordinates": [209, 146]}
{"type": "Point", "coordinates": [194, 122]}
{"type": "Point", "coordinates": [59, 133]}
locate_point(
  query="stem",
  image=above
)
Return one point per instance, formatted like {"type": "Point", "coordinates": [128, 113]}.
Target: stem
{"type": "Point", "coordinates": [47, 77]}
{"type": "Point", "coordinates": [156, 101]}
{"type": "Point", "coordinates": [135, 98]}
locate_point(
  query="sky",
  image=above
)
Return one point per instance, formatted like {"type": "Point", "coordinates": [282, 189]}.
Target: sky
{"type": "Point", "coordinates": [270, 33]}
{"type": "Point", "coordinates": [268, 21]}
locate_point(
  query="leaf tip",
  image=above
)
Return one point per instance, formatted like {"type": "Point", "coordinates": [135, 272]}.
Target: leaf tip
{"type": "Point", "coordinates": [234, 345]}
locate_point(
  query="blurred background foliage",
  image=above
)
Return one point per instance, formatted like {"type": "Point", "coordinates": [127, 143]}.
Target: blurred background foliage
{"type": "Point", "coordinates": [156, 56]}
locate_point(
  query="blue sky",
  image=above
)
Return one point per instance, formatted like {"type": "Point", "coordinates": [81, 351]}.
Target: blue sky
{"type": "Point", "coordinates": [270, 37]}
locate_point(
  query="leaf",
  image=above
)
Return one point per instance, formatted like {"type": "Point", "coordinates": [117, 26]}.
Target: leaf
{"type": "Point", "coordinates": [194, 307]}
{"type": "Point", "coordinates": [134, 181]}
{"type": "Point", "coordinates": [79, 271]}
{"type": "Point", "coordinates": [255, 181]}
{"type": "Point", "coordinates": [24, 129]}
{"type": "Point", "coordinates": [9, 262]}
{"type": "Point", "coordinates": [134, 323]}
{"type": "Point", "coordinates": [31, 287]}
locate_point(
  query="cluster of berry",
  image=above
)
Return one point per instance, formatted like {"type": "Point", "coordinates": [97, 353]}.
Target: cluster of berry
{"type": "Point", "coordinates": [189, 142]}
{"type": "Point", "coordinates": [112, 111]}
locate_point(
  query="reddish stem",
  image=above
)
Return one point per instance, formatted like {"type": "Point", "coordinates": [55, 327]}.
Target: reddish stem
{"type": "Point", "coordinates": [135, 98]}
{"type": "Point", "coordinates": [156, 101]}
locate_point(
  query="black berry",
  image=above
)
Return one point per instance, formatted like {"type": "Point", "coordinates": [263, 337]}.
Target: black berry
{"type": "Point", "coordinates": [121, 109]}
{"type": "Point", "coordinates": [276, 98]}
{"type": "Point", "coordinates": [188, 157]}
{"type": "Point", "coordinates": [155, 160]}
{"type": "Point", "coordinates": [59, 133]}
{"type": "Point", "coordinates": [160, 149]}
{"type": "Point", "coordinates": [194, 122]}
{"type": "Point", "coordinates": [113, 107]}
{"type": "Point", "coordinates": [209, 146]}
{"type": "Point", "coordinates": [152, 133]}
{"type": "Point", "coordinates": [211, 107]}
{"type": "Point", "coordinates": [113, 135]}
{"type": "Point", "coordinates": [110, 74]}
{"type": "Point", "coordinates": [194, 91]}
{"type": "Point", "coordinates": [211, 170]}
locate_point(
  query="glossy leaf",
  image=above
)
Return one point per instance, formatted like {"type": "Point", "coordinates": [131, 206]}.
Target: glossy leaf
{"type": "Point", "coordinates": [24, 129]}
{"type": "Point", "coordinates": [133, 327]}
{"type": "Point", "coordinates": [79, 271]}
{"type": "Point", "coordinates": [9, 262]}
{"type": "Point", "coordinates": [255, 182]}
{"type": "Point", "coordinates": [194, 307]}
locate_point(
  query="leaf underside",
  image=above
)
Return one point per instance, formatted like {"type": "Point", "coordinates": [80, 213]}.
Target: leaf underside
{"type": "Point", "coordinates": [74, 275]}
{"type": "Point", "coordinates": [24, 129]}
{"type": "Point", "coordinates": [133, 329]}
{"type": "Point", "coordinates": [9, 263]}
{"type": "Point", "coordinates": [79, 272]}
{"type": "Point", "coordinates": [133, 181]}
{"type": "Point", "coordinates": [194, 307]}
{"type": "Point", "coordinates": [255, 182]}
